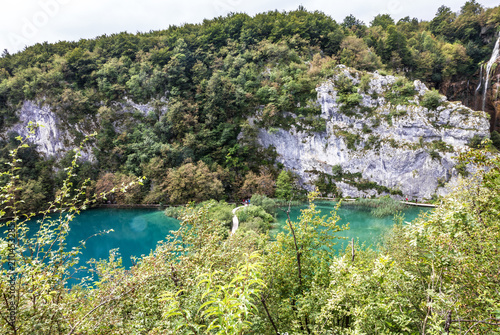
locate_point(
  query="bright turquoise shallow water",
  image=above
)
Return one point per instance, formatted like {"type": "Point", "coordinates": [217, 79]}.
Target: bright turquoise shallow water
{"type": "Point", "coordinates": [362, 225]}
{"type": "Point", "coordinates": [136, 232]}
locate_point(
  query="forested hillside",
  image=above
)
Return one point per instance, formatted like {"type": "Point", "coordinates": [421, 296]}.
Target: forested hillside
{"type": "Point", "coordinates": [199, 83]}
{"type": "Point", "coordinates": [184, 107]}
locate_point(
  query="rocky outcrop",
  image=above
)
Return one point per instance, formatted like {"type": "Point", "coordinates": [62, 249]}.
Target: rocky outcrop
{"type": "Point", "coordinates": [53, 136]}
{"type": "Point", "coordinates": [406, 149]}
{"type": "Point", "coordinates": [47, 137]}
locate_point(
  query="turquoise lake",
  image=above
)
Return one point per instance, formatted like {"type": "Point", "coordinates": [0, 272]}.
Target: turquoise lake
{"type": "Point", "coordinates": [362, 225]}
{"type": "Point", "coordinates": [137, 231]}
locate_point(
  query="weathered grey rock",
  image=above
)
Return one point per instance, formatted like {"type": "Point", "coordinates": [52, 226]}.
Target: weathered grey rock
{"type": "Point", "coordinates": [53, 138]}
{"type": "Point", "coordinates": [49, 137]}
{"type": "Point", "coordinates": [402, 160]}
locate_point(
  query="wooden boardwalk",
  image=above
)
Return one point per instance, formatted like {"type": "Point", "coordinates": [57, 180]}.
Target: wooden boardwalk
{"type": "Point", "coordinates": [235, 220]}
{"type": "Point", "coordinates": [418, 204]}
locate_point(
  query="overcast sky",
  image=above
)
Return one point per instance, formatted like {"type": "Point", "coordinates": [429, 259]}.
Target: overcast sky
{"type": "Point", "coordinates": [27, 22]}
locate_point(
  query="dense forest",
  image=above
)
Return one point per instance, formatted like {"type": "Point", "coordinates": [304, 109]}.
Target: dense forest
{"type": "Point", "coordinates": [202, 82]}
{"type": "Point", "coordinates": [439, 274]}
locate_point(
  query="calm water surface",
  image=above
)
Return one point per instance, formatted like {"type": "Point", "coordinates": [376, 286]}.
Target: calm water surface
{"type": "Point", "coordinates": [136, 232]}
{"type": "Point", "coordinates": [362, 225]}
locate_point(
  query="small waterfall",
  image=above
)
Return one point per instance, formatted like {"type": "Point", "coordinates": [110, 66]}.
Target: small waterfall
{"type": "Point", "coordinates": [480, 78]}
{"type": "Point", "coordinates": [492, 60]}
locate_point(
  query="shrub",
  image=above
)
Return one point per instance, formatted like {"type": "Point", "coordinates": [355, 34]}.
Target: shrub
{"type": "Point", "coordinates": [462, 169]}
{"type": "Point", "coordinates": [366, 129]}
{"type": "Point", "coordinates": [475, 142]}
{"type": "Point", "coordinates": [325, 185]}
{"type": "Point", "coordinates": [381, 207]}
{"type": "Point", "coordinates": [400, 92]}
{"type": "Point", "coordinates": [434, 154]}
{"type": "Point", "coordinates": [495, 139]}
{"type": "Point", "coordinates": [350, 139]}
{"type": "Point", "coordinates": [337, 172]}
{"type": "Point", "coordinates": [431, 100]}
{"type": "Point", "coordinates": [217, 210]}
{"type": "Point", "coordinates": [254, 218]}
{"type": "Point", "coordinates": [174, 212]}
{"type": "Point", "coordinates": [268, 204]}
{"type": "Point", "coordinates": [364, 84]}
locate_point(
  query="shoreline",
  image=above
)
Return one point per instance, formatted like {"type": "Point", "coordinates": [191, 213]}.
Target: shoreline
{"type": "Point", "coordinates": [129, 206]}
{"type": "Point", "coordinates": [415, 204]}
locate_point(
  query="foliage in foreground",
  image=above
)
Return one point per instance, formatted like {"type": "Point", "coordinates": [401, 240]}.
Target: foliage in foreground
{"type": "Point", "coordinates": [438, 274]}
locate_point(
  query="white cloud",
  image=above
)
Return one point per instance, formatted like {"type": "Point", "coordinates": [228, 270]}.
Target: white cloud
{"type": "Point", "coordinates": [27, 22]}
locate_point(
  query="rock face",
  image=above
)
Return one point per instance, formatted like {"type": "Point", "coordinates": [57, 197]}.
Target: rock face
{"type": "Point", "coordinates": [481, 91]}
{"type": "Point", "coordinates": [47, 137]}
{"type": "Point", "coordinates": [404, 148]}
{"type": "Point", "coordinates": [53, 137]}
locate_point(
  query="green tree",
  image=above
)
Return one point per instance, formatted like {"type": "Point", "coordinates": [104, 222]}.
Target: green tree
{"type": "Point", "coordinates": [192, 182]}
{"type": "Point", "coordinates": [355, 53]}
{"type": "Point", "coordinates": [383, 20]}
{"type": "Point", "coordinates": [284, 185]}
{"type": "Point", "coordinates": [262, 184]}
{"type": "Point", "coordinates": [295, 267]}
{"type": "Point", "coordinates": [441, 24]}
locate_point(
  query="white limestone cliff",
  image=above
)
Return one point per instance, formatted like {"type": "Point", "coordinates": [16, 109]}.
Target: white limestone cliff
{"type": "Point", "coordinates": [53, 137]}
{"type": "Point", "coordinates": [393, 146]}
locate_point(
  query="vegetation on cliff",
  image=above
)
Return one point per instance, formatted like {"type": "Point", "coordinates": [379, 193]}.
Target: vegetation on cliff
{"type": "Point", "coordinates": [201, 82]}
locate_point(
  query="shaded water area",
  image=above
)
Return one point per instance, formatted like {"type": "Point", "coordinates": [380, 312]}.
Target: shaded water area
{"type": "Point", "coordinates": [362, 225]}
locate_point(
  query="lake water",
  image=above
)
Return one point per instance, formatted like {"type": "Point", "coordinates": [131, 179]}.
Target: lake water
{"type": "Point", "coordinates": [362, 225]}
{"type": "Point", "coordinates": [137, 231]}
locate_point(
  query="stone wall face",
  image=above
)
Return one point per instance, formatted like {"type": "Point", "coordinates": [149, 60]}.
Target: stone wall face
{"type": "Point", "coordinates": [403, 158]}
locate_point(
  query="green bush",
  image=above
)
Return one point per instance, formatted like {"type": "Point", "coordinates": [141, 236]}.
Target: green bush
{"type": "Point", "coordinates": [401, 92]}
{"type": "Point", "coordinates": [325, 185]}
{"type": "Point", "coordinates": [350, 139]}
{"type": "Point", "coordinates": [434, 154]}
{"type": "Point", "coordinates": [268, 204]}
{"type": "Point", "coordinates": [364, 84]}
{"type": "Point", "coordinates": [431, 99]}
{"type": "Point", "coordinates": [217, 210]}
{"type": "Point", "coordinates": [441, 146]}
{"type": "Point", "coordinates": [380, 207]}
{"type": "Point", "coordinates": [495, 139]}
{"type": "Point", "coordinates": [174, 212]}
{"type": "Point", "coordinates": [337, 172]}
{"type": "Point", "coordinates": [475, 142]}
{"type": "Point", "coordinates": [254, 218]}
